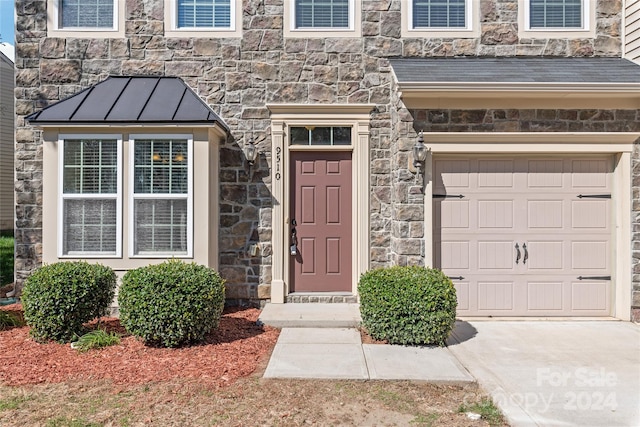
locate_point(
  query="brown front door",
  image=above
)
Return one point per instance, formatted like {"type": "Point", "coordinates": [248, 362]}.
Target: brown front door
{"type": "Point", "coordinates": [320, 222]}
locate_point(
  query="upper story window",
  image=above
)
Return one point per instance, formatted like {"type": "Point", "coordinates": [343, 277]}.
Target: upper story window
{"type": "Point", "coordinates": [203, 18]}
{"type": "Point", "coordinates": [204, 14]}
{"type": "Point", "coordinates": [439, 13]}
{"type": "Point", "coordinates": [556, 18]}
{"type": "Point", "coordinates": [322, 13]}
{"type": "Point", "coordinates": [322, 18]}
{"type": "Point", "coordinates": [85, 18]}
{"type": "Point", "coordinates": [440, 18]}
{"type": "Point", "coordinates": [87, 14]}
{"type": "Point", "coordinates": [555, 14]}
{"type": "Point", "coordinates": [90, 196]}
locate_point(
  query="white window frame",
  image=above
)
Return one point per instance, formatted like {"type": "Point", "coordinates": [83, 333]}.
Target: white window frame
{"type": "Point", "coordinates": [54, 29]}
{"type": "Point", "coordinates": [132, 197]}
{"type": "Point", "coordinates": [354, 29]}
{"type": "Point", "coordinates": [587, 30]}
{"type": "Point", "coordinates": [472, 29]}
{"type": "Point", "coordinates": [172, 29]}
{"type": "Point", "coordinates": [62, 197]}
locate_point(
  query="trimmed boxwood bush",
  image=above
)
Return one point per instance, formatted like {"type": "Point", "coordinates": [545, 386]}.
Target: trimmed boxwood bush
{"type": "Point", "coordinates": [58, 298]}
{"type": "Point", "coordinates": [407, 305]}
{"type": "Point", "coordinates": [171, 304]}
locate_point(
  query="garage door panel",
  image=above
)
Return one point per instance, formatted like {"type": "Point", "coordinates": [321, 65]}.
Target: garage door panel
{"type": "Point", "coordinates": [495, 214]}
{"type": "Point", "coordinates": [544, 173]}
{"type": "Point", "coordinates": [590, 255]}
{"type": "Point", "coordinates": [589, 173]}
{"type": "Point", "coordinates": [496, 255]}
{"type": "Point", "coordinates": [495, 296]}
{"type": "Point", "coordinates": [590, 214]}
{"type": "Point", "coordinates": [452, 174]}
{"type": "Point", "coordinates": [545, 255]}
{"type": "Point", "coordinates": [495, 173]}
{"type": "Point", "coordinates": [462, 292]}
{"type": "Point", "coordinates": [454, 255]}
{"type": "Point", "coordinates": [545, 213]}
{"type": "Point", "coordinates": [454, 213]}
{"type": "Point", "coordinates": [545, 296]}
{"type": "Point", "coordinates": [590, 297]}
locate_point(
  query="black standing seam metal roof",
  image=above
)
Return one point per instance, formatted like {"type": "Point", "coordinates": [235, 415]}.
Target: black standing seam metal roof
{"type": "Point", "coordinates": [131, 100]}
{"type": "Point", "coordinates": [515, 70]}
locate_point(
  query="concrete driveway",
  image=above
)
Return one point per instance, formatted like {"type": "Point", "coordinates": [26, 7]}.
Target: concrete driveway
{"type": "Point", "coordinates": [555, 373]}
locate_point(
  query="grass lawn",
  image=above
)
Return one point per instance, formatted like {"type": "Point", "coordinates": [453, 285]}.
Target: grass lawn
{"type": "Point", "coordinates": [251, 401]}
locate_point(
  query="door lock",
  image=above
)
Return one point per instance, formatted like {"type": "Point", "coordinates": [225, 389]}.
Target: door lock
{"type": "Point", "coordinates": [293, 249]}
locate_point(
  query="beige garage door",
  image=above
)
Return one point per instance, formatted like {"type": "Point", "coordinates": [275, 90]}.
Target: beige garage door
{"type": "Point", "coordinates": [525, 236]}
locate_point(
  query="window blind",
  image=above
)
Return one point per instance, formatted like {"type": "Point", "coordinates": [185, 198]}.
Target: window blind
{"type": "Point", "coordinates": [204, 14]}
{"type": "Point", "coordinates": [161, 187]}
{"type": "Point", "coordinates": [322, 13]}
{"type": "Point", "coordinates": [86, 13]}
{"type": "Point", "coordinates": [89, 193]}
{"type": "Point", "coordinates": [555, 13]}
{"type": "Point", "coordinates": [439, 14]}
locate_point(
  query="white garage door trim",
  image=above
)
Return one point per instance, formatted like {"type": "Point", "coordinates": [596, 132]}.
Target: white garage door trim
{"type": "Point", "coordinates": [619, 144]}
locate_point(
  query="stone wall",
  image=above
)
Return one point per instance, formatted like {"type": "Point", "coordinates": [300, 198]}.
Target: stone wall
{"type": "Point", "coordinates": [239, 76]}
{"type": "Point", "coordinates": [635, 230]}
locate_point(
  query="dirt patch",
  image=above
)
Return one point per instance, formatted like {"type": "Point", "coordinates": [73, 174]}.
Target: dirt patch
{"type": "Point", "coordinates": [232, 351]}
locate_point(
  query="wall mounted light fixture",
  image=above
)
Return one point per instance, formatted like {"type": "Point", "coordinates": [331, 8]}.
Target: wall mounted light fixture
{"type": "Point", "coordinates": [250, 152]}
{"type": "Point", "coordinates": [420, 152]}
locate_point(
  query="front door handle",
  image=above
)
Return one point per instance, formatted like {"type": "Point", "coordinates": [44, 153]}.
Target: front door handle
{"type": "Point", "coordinates": [517, 253]}
{"type": "Point", "coordinates": [526, 253]}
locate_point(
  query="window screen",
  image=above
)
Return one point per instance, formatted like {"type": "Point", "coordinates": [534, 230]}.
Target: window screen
{"type": "Point", "coordinates": [86, 13]}
{"type": "Point", "coordinates": [161, 192]}
{"type": "Point", "coordinates": [439, 14]}
{"type": "Point", "coordinates": [322, 13]}
{"type": "Point", "coordinates": [204, 13]}
{"type": "Point", "coordinates": [555, 13]}
{"type": "Point", "coordinates": [89, 196]}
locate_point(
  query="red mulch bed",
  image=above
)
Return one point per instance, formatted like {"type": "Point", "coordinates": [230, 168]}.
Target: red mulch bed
{"type": "Point", "coordinates": [232, 351]}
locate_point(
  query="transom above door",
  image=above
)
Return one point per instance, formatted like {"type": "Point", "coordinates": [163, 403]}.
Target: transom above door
{"type": "Point", "coordinates": [525, 236]}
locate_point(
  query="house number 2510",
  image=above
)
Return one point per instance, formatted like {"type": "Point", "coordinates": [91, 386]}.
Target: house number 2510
{"type": "Point", "coordinates": [278, 159]}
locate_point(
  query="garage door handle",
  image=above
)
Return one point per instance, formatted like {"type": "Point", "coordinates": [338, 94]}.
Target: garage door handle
{"type": "Point", "coordinates": [526, 253]}
{"type": "Point", "coordinates": [517, 253]}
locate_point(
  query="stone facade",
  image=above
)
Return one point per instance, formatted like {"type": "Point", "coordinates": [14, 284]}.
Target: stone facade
{"type": "Point", "coordinates": [238, 77]}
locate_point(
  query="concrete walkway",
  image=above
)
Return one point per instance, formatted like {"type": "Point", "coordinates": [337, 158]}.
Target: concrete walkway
{"type": "Point", "coordinates": [555, 373]}
{"type": "Point", "coordinates": [338, 353]}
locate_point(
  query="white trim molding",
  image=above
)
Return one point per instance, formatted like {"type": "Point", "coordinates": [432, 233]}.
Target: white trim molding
{"type": "Point", "coordinates": [284, 116]}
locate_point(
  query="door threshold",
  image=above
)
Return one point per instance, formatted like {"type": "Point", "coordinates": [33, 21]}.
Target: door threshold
{"type": "Point", "coordinates": [322, 297]}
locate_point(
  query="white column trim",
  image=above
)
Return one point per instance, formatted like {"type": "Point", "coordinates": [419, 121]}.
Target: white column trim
{"type": "Point", "coordinates": [278, 286]}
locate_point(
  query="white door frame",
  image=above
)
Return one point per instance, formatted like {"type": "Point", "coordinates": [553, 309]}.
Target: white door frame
{"type": "Point", "coordinates": [282, 117]}
{"type": "Point", "coordinates": [619, 144]}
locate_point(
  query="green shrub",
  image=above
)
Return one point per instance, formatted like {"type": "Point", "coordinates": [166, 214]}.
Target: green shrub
{"type": "Point", "coordinates": [172, 303]}
{"type": "Point", "coordinates": [6, 260]}
{"type": "Point", "coordinates": [58, 298]}
{"type": "Point", "coordinates": [95, 339]}
{"type": "Point", "coordinates": [407, 305]}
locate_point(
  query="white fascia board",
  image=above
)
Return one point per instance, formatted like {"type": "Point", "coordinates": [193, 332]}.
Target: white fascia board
{"type": "Point", "coordinates": [520, 87]}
